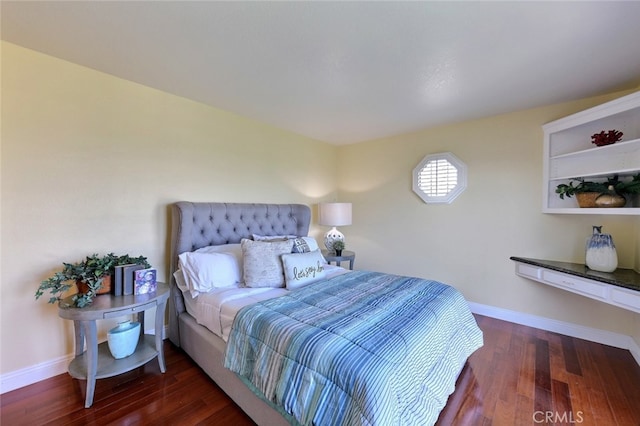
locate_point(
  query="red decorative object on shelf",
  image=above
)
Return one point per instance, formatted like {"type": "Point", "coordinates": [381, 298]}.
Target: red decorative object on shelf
{"type": "Point", "coordinates": [606, 138]}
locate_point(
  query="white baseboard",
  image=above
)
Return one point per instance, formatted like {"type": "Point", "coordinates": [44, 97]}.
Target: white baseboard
{"type": "Point", "coordinates": [30, 375]}
{"type": "Point", "coordinates": [610, 338]}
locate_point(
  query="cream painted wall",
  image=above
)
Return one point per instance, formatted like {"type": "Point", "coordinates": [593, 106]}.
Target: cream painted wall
{"type": "Point", "coordinates": [90, 163]}
{"type": "Point", "coordinates": [468, 243]}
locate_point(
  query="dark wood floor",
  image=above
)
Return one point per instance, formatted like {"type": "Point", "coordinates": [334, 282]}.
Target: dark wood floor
{"type": "Point", "coordinates": [522, 376]}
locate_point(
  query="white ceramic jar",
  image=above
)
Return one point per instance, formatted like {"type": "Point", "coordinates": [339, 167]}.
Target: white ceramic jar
{"type": "Point", "coordinates": [123, 339]}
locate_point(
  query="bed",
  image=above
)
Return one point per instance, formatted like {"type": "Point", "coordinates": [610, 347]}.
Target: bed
{"type": "Point", "coordinates": [362, 318]}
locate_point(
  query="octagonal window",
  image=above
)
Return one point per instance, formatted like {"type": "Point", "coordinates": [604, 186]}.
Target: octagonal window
{"type": "Point", "coordinates": [440, 178]}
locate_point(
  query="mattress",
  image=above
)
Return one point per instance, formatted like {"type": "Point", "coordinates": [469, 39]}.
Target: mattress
{"type": "Point", "coordinates": [217, 309]}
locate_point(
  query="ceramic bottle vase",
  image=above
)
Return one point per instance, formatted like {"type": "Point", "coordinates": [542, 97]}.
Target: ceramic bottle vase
{"type": "Point", "coordinates": [601, 253]}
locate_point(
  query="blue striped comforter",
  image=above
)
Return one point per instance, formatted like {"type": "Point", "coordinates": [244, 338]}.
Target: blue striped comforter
{"type": "Point", "coordinates": [363, 348]}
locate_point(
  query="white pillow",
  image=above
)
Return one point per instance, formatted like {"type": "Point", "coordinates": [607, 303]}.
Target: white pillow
{"type": "Point", "coordinates": [233, 249]}
{"type": "Point", "coordinates": [301, 269]}
{"type": "Point", "coordinates": [204, 272]}
{"type": "Point", "coordinates": [180, 281]}
{"type": "Point", "coordinates": [228, 248]}
{"type": "Point", "coordinates": [262, 264]}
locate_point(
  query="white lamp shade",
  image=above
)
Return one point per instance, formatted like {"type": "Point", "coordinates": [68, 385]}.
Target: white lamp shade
{"type": "Point", "coordinates": [334, 214]}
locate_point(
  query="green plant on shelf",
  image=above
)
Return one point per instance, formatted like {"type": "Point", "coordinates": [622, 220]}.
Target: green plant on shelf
{"type": "Point", "coordinates": [91, 271]}
{"type": "Point", "coordinates": [612, 185]}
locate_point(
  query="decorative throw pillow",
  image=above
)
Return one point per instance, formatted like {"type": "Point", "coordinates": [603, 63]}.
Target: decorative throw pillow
{"type": "Point", "coordinates": [301, 269]}
{"type": "Point", "coordinates": [262, 264]}
{"type": "Point", "coordinates": [204, 272]}
{"type": "Point", "coordinates": [257, 237]}
{"type": "Point", "coordinates": [311, 242]}
{"type": "Point", "coordinates": [300, 246]}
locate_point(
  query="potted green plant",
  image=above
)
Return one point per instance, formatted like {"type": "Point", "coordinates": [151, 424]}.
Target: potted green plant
{"type": "Point", "coordinates": [609, 193]}
{"type": "Point", "coordinates": [627, 187]}
{"type": "Point", "coordinates": [89, 275]}
{"type": "Point", "coordinates": [338, 246]}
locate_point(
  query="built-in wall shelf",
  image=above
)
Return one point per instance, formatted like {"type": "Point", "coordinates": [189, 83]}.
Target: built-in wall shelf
{"type": "Point", "coordinates": [569, 153]}
{"type": "Point", "coordinates": [620, 288]}
{"type": "Point", "coordinates": [621, 157]}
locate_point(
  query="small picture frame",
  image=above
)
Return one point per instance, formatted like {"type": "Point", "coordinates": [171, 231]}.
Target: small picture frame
{"type": "Point", "coordinates": [144, 281]}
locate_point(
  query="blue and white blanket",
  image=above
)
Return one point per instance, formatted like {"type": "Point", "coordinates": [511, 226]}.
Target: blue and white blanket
{"type": "Point", "coordinates": [363, 348]}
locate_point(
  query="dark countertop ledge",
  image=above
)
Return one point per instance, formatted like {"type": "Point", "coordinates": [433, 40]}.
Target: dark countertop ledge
{"type": "Point", "coordinates": [627, 278]}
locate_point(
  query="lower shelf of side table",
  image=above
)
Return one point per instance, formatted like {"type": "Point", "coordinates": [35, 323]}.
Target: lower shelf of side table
{"type": "Point", "coordinates": [108, 366]}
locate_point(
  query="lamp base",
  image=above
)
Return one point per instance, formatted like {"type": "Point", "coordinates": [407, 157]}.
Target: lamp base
{"type": "Point", "coordinates": [332, 236]}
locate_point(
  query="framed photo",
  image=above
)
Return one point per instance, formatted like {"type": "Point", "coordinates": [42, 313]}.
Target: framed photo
{"type": "Point", "coordinates": [144, 281]}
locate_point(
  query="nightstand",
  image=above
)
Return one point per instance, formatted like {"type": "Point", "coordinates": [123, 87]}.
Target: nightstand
{"type": "Point", "coordinates": [346, 256]}
{"type": "Point", "coordinates": [96, 362]}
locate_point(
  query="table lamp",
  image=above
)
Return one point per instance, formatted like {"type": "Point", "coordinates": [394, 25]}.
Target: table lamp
{"type": "Point", "coordinates": [334, 214]}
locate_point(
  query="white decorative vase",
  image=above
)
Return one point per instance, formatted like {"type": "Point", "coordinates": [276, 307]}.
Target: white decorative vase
{"type": "Point", "coordinates": [601, 253]}
{"type": "Point", "coordinates": [331, 237]}
{"type": "Point", "coordinates": [123, 339]}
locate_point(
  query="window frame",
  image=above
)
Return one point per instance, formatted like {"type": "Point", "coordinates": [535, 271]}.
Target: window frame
{"type": "Point", "coordinates": [454, 192]}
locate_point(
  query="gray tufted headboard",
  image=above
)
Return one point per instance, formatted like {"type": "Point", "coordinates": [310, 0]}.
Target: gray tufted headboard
{"type": "Point", "coordinates": [197, 225]}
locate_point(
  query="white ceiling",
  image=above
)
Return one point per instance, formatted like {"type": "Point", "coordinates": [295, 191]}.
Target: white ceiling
{"type": "Point", "coordinates": [345, 72]}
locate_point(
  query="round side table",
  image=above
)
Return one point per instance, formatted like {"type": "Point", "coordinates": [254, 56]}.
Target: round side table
{"type": "Point", "coordinates": [347, 256]}
{"type": "Point", "coordinates": [97, 362]}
